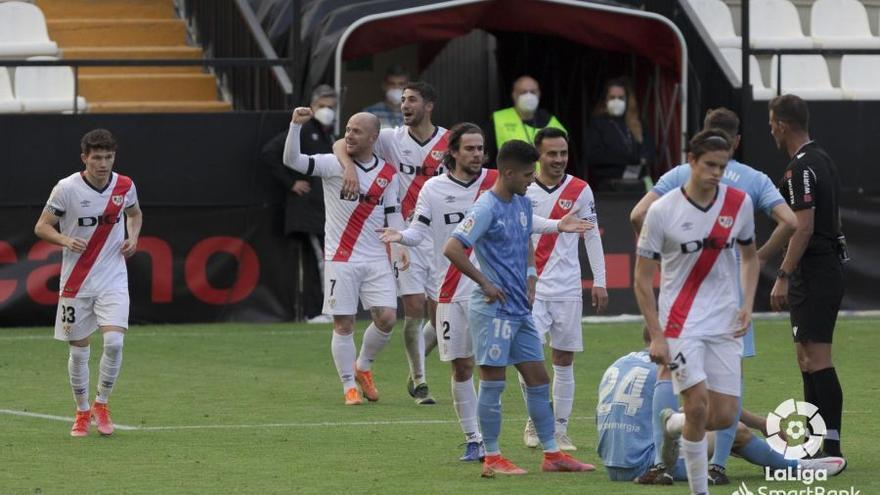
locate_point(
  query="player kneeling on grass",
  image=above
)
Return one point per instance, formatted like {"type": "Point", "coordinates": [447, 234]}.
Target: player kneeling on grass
{"type": "Point", "coordinates": [498, 227]}
{"type": "Point", "coordinates": [89, 207]}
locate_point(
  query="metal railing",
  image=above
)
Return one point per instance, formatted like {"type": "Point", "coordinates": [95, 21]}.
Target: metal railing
{"type": "Point", "coordinates": [253, 84]}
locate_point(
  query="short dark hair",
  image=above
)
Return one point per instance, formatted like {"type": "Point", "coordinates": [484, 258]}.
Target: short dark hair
{"type": "Point", "coordinates": [549, 133]}
{"type": "Point", "coordinates": [396, 70]}
{"type": "Point", "coordinates": [724, 119]}
{"type": "Point", "coordinates": [709, 140]}
{"type": "Point", "coordinates": [97, 139]}
{"type": "Point", "coordinates": [455, 134]}
{"type": "Point", "coordinates": [427, 92]}
{"type": "Point", "coordinates": [517, 154]}
{"type": "Point", "coordinates": [792, 110]}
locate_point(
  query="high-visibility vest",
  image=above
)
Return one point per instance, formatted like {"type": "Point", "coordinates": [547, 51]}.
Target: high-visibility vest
{"type": "Point", "coordinates": [508, 125]}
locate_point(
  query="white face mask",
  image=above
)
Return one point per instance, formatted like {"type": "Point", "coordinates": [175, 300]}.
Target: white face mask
{"type": "Point", "coordinates": [616, 107]}
{"type": "Point", "coordinates": [527, 102]}
{"type": "Point", "coordinates": [394, 95]}
{"type": "Point", "coordinates": [325, 115]}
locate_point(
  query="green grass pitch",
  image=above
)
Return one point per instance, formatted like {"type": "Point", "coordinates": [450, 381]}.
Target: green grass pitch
{"type": "Point", "coordinates": [238, 408]}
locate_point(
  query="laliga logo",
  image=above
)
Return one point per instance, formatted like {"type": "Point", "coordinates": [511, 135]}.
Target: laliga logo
{"type": "Point", "coordinates": [793, 416]}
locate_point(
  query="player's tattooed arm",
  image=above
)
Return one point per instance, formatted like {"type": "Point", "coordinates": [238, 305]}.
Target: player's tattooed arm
{"type": "Point", "coordinates": [458, 256]}
{"type": "Point", "coordinates": [350, 185]}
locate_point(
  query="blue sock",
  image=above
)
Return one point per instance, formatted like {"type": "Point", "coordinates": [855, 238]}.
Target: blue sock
{"type": "Point", "coordinates": [541, 412]}
{"type": "Point", "coordinates": [757, 451]}
{"type": "Point", "coordinates": [489, 412]}
{"type": "Point", "coordinates": [663, 398]}
{"type": "Point", "coordinates": [724, 438]}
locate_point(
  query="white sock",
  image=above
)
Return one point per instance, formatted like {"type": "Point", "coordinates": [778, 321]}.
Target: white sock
{"type": "Point", "coordinates": [78, 369]}
{"type": "Point", "coordinates": [111, 362]}
{"type": "Point", "coordinates": [414, 345]}
{"type": "Point", "coordinates": [563, 396]}
{"type": "Point", "coordinates": [343, 350]}
{"type": "Point", "coordinates": [430, 336]}
{"type": "Point", "coordinates": [464, 398]}
{"type": "Point", "coordinates": [696, 461]}
{"type": "Point", "coordinates": [374, 342]}
{"type": "Point", "coordinates": [675, 423]}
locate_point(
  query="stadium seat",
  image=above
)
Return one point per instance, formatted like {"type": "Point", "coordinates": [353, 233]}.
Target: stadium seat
{"type": "Point", "coordinates": [8, 103]}
{"type": "Point", "coordinates": [46, 89]}
{"type": "Point", "coordinates": [775, 24]}
{"type": "Point", "coordinates": [716, 18]}
{"type": "Point", "coordinates": [733, 56]}
{"type": "Point", "coordinates": [23, 31]}
{"type": "Point", "coordinates": [860, 76]}
{"type": "Point", "coordinates": [806, 76]}
{"type": "Point", "coordinates": [841, 24]}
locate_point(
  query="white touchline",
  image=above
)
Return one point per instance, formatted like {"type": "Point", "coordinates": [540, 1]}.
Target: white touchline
{"type": "Point", "coordinates": [321, 424]}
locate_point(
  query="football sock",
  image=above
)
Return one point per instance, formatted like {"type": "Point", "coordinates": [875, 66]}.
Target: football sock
{"type": "Point", "coordinates": [563, 395]}
{"type": "Point", "coordinates": [78, 369]}
{"type": "Point", "coordinates": [663, 398]}
{"type": "Point", "coordinates": [759, 452]}
{"type": "Point", "coordinates": [541, 412]}
{"type": "Point", "coordinates": [675, 423]}
{"type": "Point", "coordinates": [724, 438]}
{"type": "Point", "coordinates": [809, 390]}
{"type": "Point", "coordinates": [343, 350]}
{"type": "Point", "coordinates": [374, 341]}
{"type": "Point", "coordinates": [430, 336]}
{"type": "Point", "coordinates": [111, 362]}
{"type": "Point", "coordinates": [414, 344]}
{"type": "Point", "coordinates": [697, 464]}
{"type": "Point", "coordinates": [830, 403]}
{"type": "Point", "coordinates": [489, 412]}
{"type": "Point", "coordinates": [464, 399]}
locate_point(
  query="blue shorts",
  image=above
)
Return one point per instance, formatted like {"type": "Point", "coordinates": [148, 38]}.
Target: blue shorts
{"type": "Point", "coordinates": [501, 342]}
{"type": "Point", "coordinates": [629, 474]}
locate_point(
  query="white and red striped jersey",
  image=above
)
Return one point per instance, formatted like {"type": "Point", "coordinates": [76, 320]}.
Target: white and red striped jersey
{"type": "Point", "coordinates": [699, 292]}
{"type": "Point", "coordinates": [416, 162]}
{"type": "Point", "coordinates": [351, 225]}
{"type": "Point", "coordinates": [96, 216]}
{"type": "Point", "coordinates": [441, 206]}
{"type": "Point", "coordinates": [556, 255]}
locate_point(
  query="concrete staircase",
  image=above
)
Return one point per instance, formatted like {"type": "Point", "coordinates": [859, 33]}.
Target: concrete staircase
{"type": "Point", "coordinates": [131, 29]}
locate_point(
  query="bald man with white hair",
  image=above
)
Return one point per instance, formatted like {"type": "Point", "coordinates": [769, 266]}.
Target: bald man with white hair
{"type": "Point", "coordinates": [525, 118]}
{"type": "Point", "coordinates": [357, 266]}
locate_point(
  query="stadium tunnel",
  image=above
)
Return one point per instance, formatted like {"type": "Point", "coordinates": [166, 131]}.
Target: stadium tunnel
{"type": "Point", "coordinates": [570, 46]}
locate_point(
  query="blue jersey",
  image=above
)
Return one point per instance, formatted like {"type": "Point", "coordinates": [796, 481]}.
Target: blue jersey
{"type": "Point", "coordinates": [756, 184]}
{"type": "Point", "coordinates": [623, 413]}
{"type": "Point", "coordinates": [499, 233]}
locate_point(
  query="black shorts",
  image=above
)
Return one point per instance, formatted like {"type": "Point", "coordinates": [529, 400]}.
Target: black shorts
{"type": "Point", "coordinates": [814, 295]}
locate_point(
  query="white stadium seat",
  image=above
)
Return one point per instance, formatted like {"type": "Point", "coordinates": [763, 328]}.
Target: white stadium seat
{"type": "Point", "coordinates": [841, 24]}
{"type": "Point", "coordinates": [860, 76]}
{"type": "Point", "coordinates": [23, 31]}
{"type": "Point", "coordinates": [775, 24]}
{"type": "Point", "coordinates": [733, 56]}
{"type": "Point", "coordinates": [806, 76]}
{"type": "Point", "coordinates": [716, 18]}
{"type": "Point", "coordinates": [46, 89]}
{"type": "Point", "coordinates": [8, 103]}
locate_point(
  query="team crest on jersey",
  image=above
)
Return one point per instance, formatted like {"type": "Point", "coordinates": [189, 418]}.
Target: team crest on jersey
{"type": "Point", "coordinates": [117, 199]}
{"type": "Point", "coordinates": [382, 182]}
{"type": "Point", "coordinates": [437, 155]}
{"type": "Point", "coordinates": [522, 219]}
{"type": "Point", "coordinates": [725, 221]}
{"type": "Point", "coordinates": [566, 204]}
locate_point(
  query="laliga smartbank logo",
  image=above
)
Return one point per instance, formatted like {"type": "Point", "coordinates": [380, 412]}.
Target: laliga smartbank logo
{"type": "Point", "coordinates": [795, 429]}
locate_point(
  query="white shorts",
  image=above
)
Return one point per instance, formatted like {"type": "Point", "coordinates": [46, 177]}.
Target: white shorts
{"type": "Point", "coordinates": [346, 282]}
{"type": "Point", "coordinates": [562, 320]}
{"type": "Point", "coordinates": [453, 334]}
{"type": "Point", "coordinates": [715, 359]}
{"type": "Point", "coordinates": [79, 317]}
{"type": "Point", "coordinates": [417, 278]}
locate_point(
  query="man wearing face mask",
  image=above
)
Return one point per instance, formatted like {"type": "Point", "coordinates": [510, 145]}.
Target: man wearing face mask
{"type": "Point", "coordinates": [304, 209]}
{"type": "Point", "coordinates": [388, 110]}
{"type": "Point", "coordinates": [524, 119]}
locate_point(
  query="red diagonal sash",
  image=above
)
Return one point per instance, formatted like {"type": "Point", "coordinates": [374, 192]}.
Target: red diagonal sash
{"type": "Point", "coordinates": [453, 275]}
{"type": "Point", "coordinates": [733, 198]}
{"type": "Point", "coordinates": [429, 169]}
{"type": "Point", "coordinates": [88, 257]}
{"type": "Point", "coordinates": [360, 214]}
{"type": "Point", "coordinates": [547, 242]}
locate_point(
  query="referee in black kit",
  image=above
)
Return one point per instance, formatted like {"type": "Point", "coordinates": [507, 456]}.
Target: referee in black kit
{"type": "Point", "coordinates": [810, 280]}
